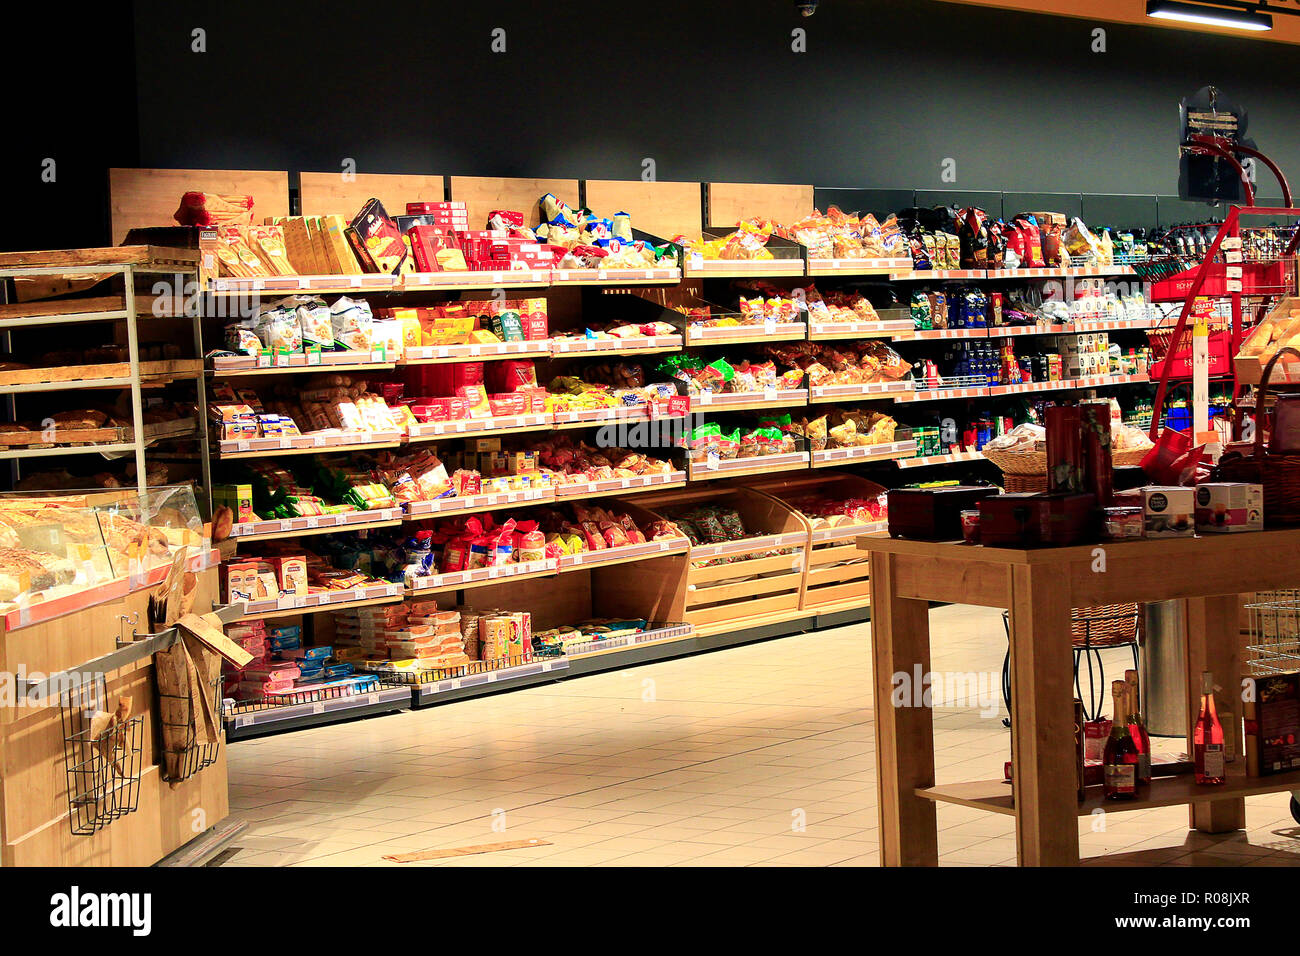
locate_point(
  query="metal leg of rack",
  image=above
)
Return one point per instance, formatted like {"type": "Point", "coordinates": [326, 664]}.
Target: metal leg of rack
{"type": "Point", "coordinates": [201, 388]}
{"type": "Point", "coordinates": [137, 404]}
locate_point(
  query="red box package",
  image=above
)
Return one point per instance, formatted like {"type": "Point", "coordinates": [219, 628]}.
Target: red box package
{"type": "Point", "coordinates": [440, 409]}
{"type": "Point", "coordinates": [425, 208]}
{"type": "Point", "coordinates": [508, 403]}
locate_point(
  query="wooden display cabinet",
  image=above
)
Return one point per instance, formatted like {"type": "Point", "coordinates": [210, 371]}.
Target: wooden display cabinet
{"type": "Point", "coordinates": [35, 819]}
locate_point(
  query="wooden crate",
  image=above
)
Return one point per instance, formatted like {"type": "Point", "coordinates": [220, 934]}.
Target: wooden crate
{"type": "Point", "coordinates": [837, 573]}
{"type": "Point", "coordinates": [754, 583]}
{"type": "Point", "coordinates": [729, 203]}
{"type": "Point", "coordinates": [329, 194]}
{"type": "Point", "coordinates": [661, 209]}
{"type": "Point", "coordinates": [482, 194]}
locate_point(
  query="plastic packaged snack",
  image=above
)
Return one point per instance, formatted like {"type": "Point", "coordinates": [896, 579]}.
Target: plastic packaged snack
{"type": "Point", "coordinates": [352, 324]}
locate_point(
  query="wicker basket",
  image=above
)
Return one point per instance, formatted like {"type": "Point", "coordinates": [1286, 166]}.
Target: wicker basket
{"type": "Point", "coordinates": [1104, 625]}
{"type": "Point", "coordinates": [1128, 457]}
{"type": "Point", "coordinates": [1279, 474]}
{"type": "Point", "coordinates": [1017, 484]}
{"type": "Point", "coordinates": [1019, 463]}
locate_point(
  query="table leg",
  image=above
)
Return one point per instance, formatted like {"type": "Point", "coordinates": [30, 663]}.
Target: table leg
{"type": "Point", "coordinates": [1214, 645]}
{"type": "Point", "coordinates": [1042, 719]}
{"type": "Point", "coordinates": [900, 645]}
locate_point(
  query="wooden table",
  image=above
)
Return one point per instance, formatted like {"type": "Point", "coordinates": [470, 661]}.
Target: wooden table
{"type": "Point", "coordinates": [1040, 587]}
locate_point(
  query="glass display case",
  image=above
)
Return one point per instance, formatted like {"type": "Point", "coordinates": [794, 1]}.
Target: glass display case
{"type": "Point", "coordinates": [57, 544]}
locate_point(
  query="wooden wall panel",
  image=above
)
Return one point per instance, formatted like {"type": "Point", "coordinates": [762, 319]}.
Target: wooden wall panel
{"type": "Point", "coordinates": [729, 203]}
{"type": "Point", "coordinates": [140, 198]}
{"type": "Point", "coordinates": [661, 209]}
{"type": "Point", "coordinates": [328, 194]}
{"type": "Point", "coordinates": [482, 194]}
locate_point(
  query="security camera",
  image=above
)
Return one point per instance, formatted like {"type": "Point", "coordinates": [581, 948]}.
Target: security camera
{"type": "Point", "coordinates": [806, 7]}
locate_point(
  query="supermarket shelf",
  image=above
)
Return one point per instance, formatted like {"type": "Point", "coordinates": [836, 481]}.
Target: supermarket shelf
{"type": "Point", "coordinates": [942, 394]}
{"type": "Point", "coordinates": [589, 417]}
{"type": "Point", "coordinates": [481, 577]}
{"type": "Point", "coordinates": [883, 391]}
{"type": "Point", "coordinates": [288, 285]}
{"type": "Point", "coordinates": [769, 331]}
{"type": "Point", "coordinates": [737, 467]}
{"type": "Point", "coordinates": [563, 277]}
{"type": "Point", "coordinates": [1010, 331]}
{"type": "Point", "coordinates": [537, 671]}
{"type": "Point", "coordinates": [921, 335]}
{"type": "Point", "coordinates": [846, 533]}
{"type": "Point", "coordinates": [634, 345]}
{"type": "Point", "coordinates": [363, 596]}
{"type": "Point", "coordinates": [741, 401]}
{"type": "Point", "coordinates": [926, 460]}
{"type": "Point", "coordinates": [858, 267]}
{"type": "Point", "coordinates": [1091, 381]}
{"type": "Point", "coordinates": [503, 425]}
{"type": "Point", "coordinates": [57, 450]}
{"type": "Point", "coordinates": [318, 444]}
{"type": "Point", "coordinates": [584, 560]}
{"type": "Point", "coordinates": [231, 366]}
{"type": "Point", "coordinates": [834, 457]}
{"type": "Point", "coordinates": [697, 267]}
{"type": "Point", "coordinates": [385, 700]}
{"type": "Point", "coordinates": [316, 524]}
{"type": "Point", "coordinates": [421, 510]}
{"type": "Point", "coordinates": [886, 328]}
{"type": "Point", "coordinates": [653, 635]}
{"type": "Point", "coordinates": [456, 281]}
{"type": "Point", "coordinates": [938, 275]}
{"type": "Point", "coordinates": [475, 352]}
{"type": "Point", "coordinates": [618, 486]}
{"type": "Point", "coordinates": [761, 542]}
{"type": "Point", "coordinates": [996, 797]}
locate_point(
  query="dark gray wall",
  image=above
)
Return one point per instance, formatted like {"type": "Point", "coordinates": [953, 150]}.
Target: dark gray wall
{"type": "Point", "coordinates": [885, 92]}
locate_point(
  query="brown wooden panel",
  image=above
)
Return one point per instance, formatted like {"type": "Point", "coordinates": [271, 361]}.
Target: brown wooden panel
{"type": "Point", "coordinates": [729, 203]}
{"type": "Point", "coordinates": [948, 579]}
{"type": "Point", "coordinates": [661, 209]}
{"type": "Point", "coordinates": [482, 194]}
{"type": "Point", "coordinates": [739, 615]}
{"type": "Point", "coordinates": [328, 194]}
{"type": "Point", "coordinates": [140, 198]}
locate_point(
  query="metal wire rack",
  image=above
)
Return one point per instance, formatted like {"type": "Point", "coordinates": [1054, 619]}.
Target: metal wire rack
{"type": "Point", "coordinates": [1273, 628]}
{"type": "Point", "coordinates": [195, 755]}
{"type": "Point", "coordinates": [430, 675]}
{"type": "Point", "coordinates": [311, 695]}
{"type": "Point", "coordinates": [102, 765]}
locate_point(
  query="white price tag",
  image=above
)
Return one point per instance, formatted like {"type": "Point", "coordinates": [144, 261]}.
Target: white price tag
{"type": "Point", "coordinates": [313, 358]}
{"type": "Point", "coordinates": [769, 326]}
{"type": "Point", "coordinates": [285, 602]}
{"type": "Point", "coordinates": [286, 525]}
{"type": "Point", "coordinates": [241, 445]}
{"type": "Point", "coordinates": [1233, 285]}
{"type": "Point", "coordinates": [318, 707]}
{"type": "Point", "coordinates": [649, 273]}
{"type": "Point", "coordinates": [263, 360]}
{"type": "Point", "coordinates": [258, 285]}
{"type": "Point", "coordinates": [769, 395]}
{"type": "Point", "coordinates": [1233, 256]}
{"type": "Point", "coordinates": [319, 440]}
{"type": "Point", "coordinates": [704, 398]}
{"type": "Point", "coordinates": [283, 359]}
{"type": "Point", "coordinates": [377, 355]}
{"type": "Point", "coordinates": [1233, 272]}
{"type": "Point", "coordinates": [355, 282]}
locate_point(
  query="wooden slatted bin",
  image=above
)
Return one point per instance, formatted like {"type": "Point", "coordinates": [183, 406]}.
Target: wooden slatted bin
{"type": "Point", "coordinates": [837, 573]}
{"type": "Point", "coordinates": [757, 579]}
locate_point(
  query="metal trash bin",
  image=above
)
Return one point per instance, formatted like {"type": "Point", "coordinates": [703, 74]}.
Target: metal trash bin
{"type": "Point", "coordinates": [1164, 668]}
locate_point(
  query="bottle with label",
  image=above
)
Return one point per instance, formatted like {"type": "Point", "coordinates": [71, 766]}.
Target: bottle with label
{"type": "Point", "coordinates": [1207, 738]}
{"type": "Point", "coordinates": [1119, 763]}
{"type": "Point", "coordinates": [1138, 727]}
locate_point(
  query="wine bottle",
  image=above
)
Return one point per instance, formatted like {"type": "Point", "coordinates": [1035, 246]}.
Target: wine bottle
{"type": "Point", "coordinates": [1207, 738]}
{"type": "Point", "coordinates": [1138, 727]}
{"type": "Point", "coordinates": [1119, 764]}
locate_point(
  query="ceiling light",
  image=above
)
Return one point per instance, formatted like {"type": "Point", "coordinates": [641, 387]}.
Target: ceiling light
{"type": "Point", "coordinates": [1210, 16]}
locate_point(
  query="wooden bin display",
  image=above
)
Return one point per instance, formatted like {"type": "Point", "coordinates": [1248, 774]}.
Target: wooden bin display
{"type": "Point", "coordinates": [756, 584]}
{"type": "Point", "coordinates": [837, 573]}
{"type": "Point", "coordinates": [1250, 367]}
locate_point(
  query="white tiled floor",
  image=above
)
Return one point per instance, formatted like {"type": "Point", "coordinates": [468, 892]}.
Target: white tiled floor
{"type": "Point", "coordinates": [759, 755]}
